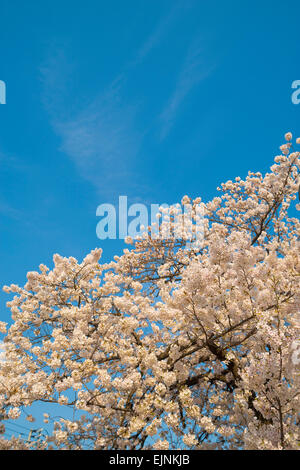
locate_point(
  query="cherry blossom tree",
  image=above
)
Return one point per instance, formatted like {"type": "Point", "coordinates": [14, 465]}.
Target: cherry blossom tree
{"type": "Point", "coordinates": [173, 345]}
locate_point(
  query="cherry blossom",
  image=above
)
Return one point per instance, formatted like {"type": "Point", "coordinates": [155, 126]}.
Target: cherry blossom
{"type": "Point", "coordinates": [173, 345]}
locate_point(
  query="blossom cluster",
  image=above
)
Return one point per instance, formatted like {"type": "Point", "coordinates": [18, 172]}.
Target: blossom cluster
{"type": "Point", "coordinates": [170, 346]}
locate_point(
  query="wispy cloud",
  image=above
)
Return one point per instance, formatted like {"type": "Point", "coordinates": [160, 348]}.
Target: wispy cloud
{"type": "Point", "coordinates": [9, 211]}
{"type": "Point", "coordinates": [103, 142]}
{"type": "Point", "coordinates": [194, 69]}
{"type": "Point", "coordinates": [101, 137]}
{"type": "Point", "coordinates": [160, 30]}
{"type": "Point", "coordinates": [158, 33]}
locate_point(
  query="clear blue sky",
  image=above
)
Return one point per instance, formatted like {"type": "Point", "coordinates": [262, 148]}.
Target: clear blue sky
{"type": "Point", "coordinates": [150, 99]}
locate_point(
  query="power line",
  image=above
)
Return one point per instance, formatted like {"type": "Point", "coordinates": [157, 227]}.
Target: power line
{"type": "Point", "coordinates": [33, 438]}
{"type": "Point", "coordinates": [14, 431]}
{"type": "Point", "coordinates": [12, 423]}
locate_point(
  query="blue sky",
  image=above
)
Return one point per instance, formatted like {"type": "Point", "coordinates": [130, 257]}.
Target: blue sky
{"type": "Point", "coordinates": [149, 99]}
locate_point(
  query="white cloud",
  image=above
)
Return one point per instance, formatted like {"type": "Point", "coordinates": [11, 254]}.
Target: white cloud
{"type": "Point", "coordinates": [102, 141]}
{"type": "Point", "coordinates": [194, 70]}
{"type": "Point", "coordinates": [159, 31]}
{"type": "Point", "coordinates": [101, 136]}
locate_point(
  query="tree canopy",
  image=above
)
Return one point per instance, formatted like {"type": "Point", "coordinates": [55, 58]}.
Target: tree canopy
{"type": "Point", "coordinates": [173, 345]}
